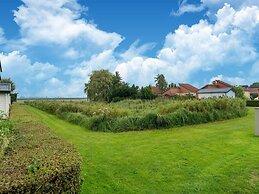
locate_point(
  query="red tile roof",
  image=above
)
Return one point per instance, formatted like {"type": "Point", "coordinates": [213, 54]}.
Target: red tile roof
{"type": "Point", "coordinates": [217, 84]}
{"type": "Point", "coordinates": [189, 87]}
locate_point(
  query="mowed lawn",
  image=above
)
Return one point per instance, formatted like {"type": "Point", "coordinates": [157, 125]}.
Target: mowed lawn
{"type": "Point", "coordinates": [220, 157]}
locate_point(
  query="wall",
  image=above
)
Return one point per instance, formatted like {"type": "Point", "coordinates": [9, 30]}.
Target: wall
{"type": "Point", "coordinates": [230, 94]}
{"type": "Point", "coordinates": [5, 101]}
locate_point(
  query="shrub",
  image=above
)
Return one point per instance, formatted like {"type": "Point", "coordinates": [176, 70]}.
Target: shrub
{"type": "Point", "coordinates": [39, 161]}
{"type": "Point", "coordinates": [252, 103]}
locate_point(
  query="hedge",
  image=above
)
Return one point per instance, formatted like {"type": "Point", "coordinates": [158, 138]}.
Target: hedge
{"type": "Point", "coordinates": [252, 103]}
{"type": "Point", "coordinates": [173, 114]}
{"type": "Point", "coordinates": [38, 161]}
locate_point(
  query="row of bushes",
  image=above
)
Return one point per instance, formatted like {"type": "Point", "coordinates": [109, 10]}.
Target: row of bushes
{"type": "Point", "coordinates": [252, 103]}
{"type": "Point", "coordinates": [88, 109]}
{"type": "Point", "coordinates": [175, 114]}
{"type": "Point", "coordinates": [38, 161]}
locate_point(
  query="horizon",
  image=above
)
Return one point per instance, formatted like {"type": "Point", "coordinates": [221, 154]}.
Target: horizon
{"type": "Point", "coordinates": [48, 48]}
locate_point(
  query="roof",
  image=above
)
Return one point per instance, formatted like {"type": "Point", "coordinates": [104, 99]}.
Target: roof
{"type": "Point", "coordinates": [252, 90]}
{"type": "Point", "coordinates": [217, 84]}
{"type": "Point", "coordinates": [214, 90]}
{"type": "Point", "coordinates": [5, 87]}
{"type": "Point", "coordinates": [189, 87]}
{"type": "Point", "coordinates": [172, 91]}
{"type": "Point", "coordinates": [156, 90]}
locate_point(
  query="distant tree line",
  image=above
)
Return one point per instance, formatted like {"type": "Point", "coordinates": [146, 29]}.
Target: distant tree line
{"type": "Point", "coordinates": [105, 86]}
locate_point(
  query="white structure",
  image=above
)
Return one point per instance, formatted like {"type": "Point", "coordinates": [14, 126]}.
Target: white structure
{"type": "Point", "coordinates": [216, 93]}
{"type": "Point", "coordinates": [5, 99]}
{"type": "Point", "coordinates": [257, 121]}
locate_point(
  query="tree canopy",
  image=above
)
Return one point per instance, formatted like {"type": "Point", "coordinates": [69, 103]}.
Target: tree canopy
{"type": "Point", "coordinates": [99, 85]}
{"type": "Point", "coordinates": [161, 82]}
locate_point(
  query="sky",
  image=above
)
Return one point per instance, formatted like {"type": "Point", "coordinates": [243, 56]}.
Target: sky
{"type": "Point", "coordinates": [50, 47]}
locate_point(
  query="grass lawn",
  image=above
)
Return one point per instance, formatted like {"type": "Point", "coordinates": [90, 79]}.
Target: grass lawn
{"type": "Point", "coordinates": [220, 157]}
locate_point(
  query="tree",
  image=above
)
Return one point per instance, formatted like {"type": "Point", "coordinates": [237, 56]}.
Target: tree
{"type": "Point", "coordinates": [239, 91]}
{"type": "Point", "coordinates": [146, 93]}
{"type": "Point", "coordinates": [255, 85]}
{"type": "Point", "coordinates": [123, 91]}
{"type": "Point", "coordinates": [9, 81]}
{"type": "Point", "coordinates": [99, 85]}
{"type": "Point", "coordinates": [172, 85]}
{"type": "Point", "coordinates": [161, 82]}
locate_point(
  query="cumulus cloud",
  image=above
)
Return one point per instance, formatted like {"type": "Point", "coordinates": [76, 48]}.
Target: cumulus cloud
{"type": "Point", "coordinates": [201, 47]}
{"type": "Point", "coordinates": [231, 80]}
{"type": "Point", "coordinates": [60, 23]}
{"type": "Point", "coordinates": [25, 73]}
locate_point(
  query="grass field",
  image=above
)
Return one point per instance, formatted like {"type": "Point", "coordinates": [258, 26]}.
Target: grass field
{"type": "Point", "coordinates": [220, 157]}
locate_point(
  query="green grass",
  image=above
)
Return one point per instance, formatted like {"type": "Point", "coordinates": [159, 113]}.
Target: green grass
{"type": "Point", "coordinates": [220, 157]}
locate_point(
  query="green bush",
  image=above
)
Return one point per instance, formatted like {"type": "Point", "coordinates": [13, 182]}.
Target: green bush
{"type": "Point", "coordinates": [252, 103]}
{"type": "Point", "coordinates": [6, 134]}
{"type": "Point", "coordinates": [38, 161]}
{"type": "Point", "coordinates": [141, 115]}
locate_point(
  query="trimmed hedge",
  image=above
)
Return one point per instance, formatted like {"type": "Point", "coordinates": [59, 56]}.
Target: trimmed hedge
{"type": "Point", "coordinates": [170, 115]}
{"type": "Point", "coordinates": [252, 103]}
{"type": "Point", "coordinates": [38, 161]}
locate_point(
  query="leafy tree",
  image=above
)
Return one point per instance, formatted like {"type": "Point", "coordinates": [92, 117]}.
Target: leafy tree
{"type": "Point", "coordinates": [123, 91]}
{"type": "Point", "coordinates": [8, 80]}
{"type": "Point", "coordinates": [161, 82]}
{"type": "Point", "coordinates": [146, 93]}
{"type": "Point", "coordinates": [99, 85]}
{"type": "Point", "coordinates": [255, 85]}
{"type": "Point", "coordinates": [116, 80]}
{"type": "Point", "coordinates": [239, 91]}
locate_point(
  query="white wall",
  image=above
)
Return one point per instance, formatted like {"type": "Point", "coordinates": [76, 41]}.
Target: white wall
{"type": "Point", "coordinates": [230, 94]}
{"type": "Point", "coordinates": [5, 102]}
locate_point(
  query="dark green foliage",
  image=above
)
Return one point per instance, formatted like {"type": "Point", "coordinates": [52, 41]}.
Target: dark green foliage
{"type": "Point", "coordinates": [253, 96]}
{"type": "Point", "coordinates": [122, 92]}
{"type": "Point", "coordinates": [252, 103]}
{"type": "Point", "coordinates": [255, 85]}
{"type": "Point", "coordinates": [14, 97]}
{"type": "Point", "coordinates": [39, 161]}
{"type": "Point", "coordinates": [146, 93]}
{"type": "Point", "coordinates": [169, 114]}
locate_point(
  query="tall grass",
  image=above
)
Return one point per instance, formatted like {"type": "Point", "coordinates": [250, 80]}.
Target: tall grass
{"type": "Point", "coordinates": [132, 115]}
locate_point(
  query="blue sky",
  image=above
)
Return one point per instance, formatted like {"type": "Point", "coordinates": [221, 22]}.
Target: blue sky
{"type": "Point", "coordinates": [49, 47]}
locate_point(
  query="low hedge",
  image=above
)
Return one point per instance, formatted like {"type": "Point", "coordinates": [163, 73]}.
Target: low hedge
{"type": "Point", "coordinates": [38, 161]}
{"type": "Point", "coordinates": [175, 114]}
{"type": "Point", "coordinates": [252, 103]}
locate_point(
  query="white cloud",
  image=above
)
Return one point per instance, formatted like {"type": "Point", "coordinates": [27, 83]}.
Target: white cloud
{"type": "Point", "coordinates": [184, 7]}
{"type": "Point", "coordinates": [201, 47]}
{"type": "Point", "coordinates": [24, 72]}
{"type": "Point", "coordinates": [230, 80]}
{"type": "Point", "coordinates": [136, 50]}
{"type": "Point", "coordinates": [59, 22]}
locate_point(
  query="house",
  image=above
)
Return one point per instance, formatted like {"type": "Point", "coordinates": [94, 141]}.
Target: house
{"type": "Point", "coordinates": [5, 97]}
{"type": "Point", "coordinates": [249, 92]}
{"type": "Point", "coordinates": [218, 89]}
{"type": "Point", "coordinates": [181, 90]}
{"type": "Point", "coordinates": [156, 90]}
